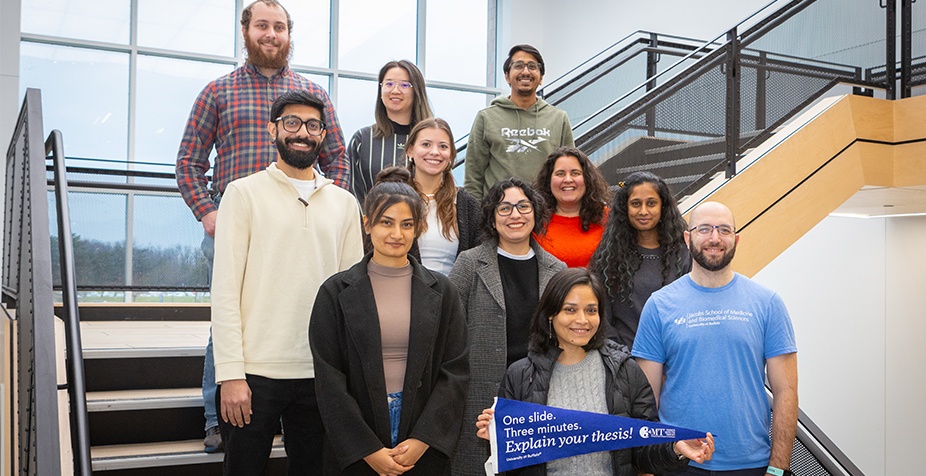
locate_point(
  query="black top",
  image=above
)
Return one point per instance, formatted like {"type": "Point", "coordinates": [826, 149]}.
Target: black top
{"type": "Point", "coordinates": [520, 284]}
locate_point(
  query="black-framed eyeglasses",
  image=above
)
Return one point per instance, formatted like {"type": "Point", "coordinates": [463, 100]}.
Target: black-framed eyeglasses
{"type": "Point", "coordinates": [706, 230]}
{"type": "Point", "coordinates": [520, 65]}
{"type": "Point", "coordinates": [524, 207]}
{"type": "Point", "coordinates": [402, 85]}
{"type": "Point", "coordinates": [294, 123]}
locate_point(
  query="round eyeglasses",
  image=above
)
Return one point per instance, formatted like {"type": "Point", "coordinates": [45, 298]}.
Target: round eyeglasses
{"type": "Point", "coordinates": [294, 123]}
{"type": "Point", "coordinates": [524, 207]}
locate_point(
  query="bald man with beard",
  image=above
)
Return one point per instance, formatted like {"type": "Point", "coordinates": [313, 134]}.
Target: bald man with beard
{"type": "Point", "coordinates": [713, 336]}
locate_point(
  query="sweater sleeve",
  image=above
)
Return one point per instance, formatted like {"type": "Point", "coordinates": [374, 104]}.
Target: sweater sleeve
{"type": "Point", "coordinates": [352, 240]}
{"type": "Point", "coordinates": [232, 237]}
{"type": "Point", "coordinates": [477, 158]}
{"type": "Point", "coordinates": [568, 139]}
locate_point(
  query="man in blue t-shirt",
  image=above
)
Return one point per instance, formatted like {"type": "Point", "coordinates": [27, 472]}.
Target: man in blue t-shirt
{"type": "Point", "coordinates": [715, 335]}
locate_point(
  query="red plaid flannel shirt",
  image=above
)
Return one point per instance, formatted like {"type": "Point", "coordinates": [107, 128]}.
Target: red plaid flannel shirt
{"type": "Point", "coordinates": [231, 114]}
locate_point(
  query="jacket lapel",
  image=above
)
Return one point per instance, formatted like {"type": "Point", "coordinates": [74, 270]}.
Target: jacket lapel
{"type": "Point", "coordinates": [426, 311]}
{"type": "Point", "coordinates": [363, 332]}
{"type": "Point", "coordinates": [489, 274]}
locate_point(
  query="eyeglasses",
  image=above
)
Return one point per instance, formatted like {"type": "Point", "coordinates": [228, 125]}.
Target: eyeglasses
{"type": "Point", "coordinates": [706, 230]}
{"type": "Point", "coordinates": [524, 207]}
{"type": "Point", "coordinates": [403, 85]}
{"type": "Point", "coordinates": [519, 66]}
{"type": "Point", "coordinates": [294, 123]}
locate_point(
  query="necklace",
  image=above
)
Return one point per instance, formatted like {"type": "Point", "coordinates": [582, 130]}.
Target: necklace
{"type": "Point", "coordinates": [650, 257]}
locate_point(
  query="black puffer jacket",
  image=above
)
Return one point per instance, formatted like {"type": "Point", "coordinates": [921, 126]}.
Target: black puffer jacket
{"type": "Point", "coordinates": [628, 393]}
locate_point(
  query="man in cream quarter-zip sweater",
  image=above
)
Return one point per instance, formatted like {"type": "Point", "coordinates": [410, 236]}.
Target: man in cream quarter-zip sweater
{"type": "Point", "coordinates": [280, 234]}
{"type": "Point", "coordinates": [513, 136]}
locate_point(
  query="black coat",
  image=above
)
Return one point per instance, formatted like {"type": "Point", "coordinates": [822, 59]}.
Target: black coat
{"type": "Point", "coordinates": [344, 333]}
{"type": "Point", "coordinates": [627, 391]}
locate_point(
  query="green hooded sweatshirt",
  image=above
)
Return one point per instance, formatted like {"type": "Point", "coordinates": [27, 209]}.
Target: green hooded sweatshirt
{"type": "Point", "coordinates": [507, 141]}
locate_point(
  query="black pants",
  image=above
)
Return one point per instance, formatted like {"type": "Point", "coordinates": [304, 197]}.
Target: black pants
{"type": "Point", "coordinates": [247, 450]}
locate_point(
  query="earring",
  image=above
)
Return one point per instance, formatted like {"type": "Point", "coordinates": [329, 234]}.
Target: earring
{"type": "Point", "coordinates": [550, 329]}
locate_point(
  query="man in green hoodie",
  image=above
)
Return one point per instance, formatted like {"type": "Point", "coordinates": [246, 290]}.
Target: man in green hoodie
{"type": "Point", "coordinates": [513, 136]}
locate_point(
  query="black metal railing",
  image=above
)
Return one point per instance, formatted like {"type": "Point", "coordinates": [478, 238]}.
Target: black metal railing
{"type": "Point", "coordinates": [76, 383]}
{"type": "Point", "coordinates": [27, 289]}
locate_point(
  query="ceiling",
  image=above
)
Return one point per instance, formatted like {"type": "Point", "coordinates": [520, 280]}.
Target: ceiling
{"type": "Point", "coordinates": [871, 202]}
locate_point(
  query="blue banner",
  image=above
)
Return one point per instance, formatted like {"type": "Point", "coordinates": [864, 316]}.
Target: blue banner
{"type": "Point", "coordinates": [524, 434]}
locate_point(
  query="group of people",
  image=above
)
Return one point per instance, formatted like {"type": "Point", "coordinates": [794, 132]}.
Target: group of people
{"type": "Point", "coordinates": [370, 309]}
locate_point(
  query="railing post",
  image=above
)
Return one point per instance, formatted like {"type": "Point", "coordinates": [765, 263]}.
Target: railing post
{"type": "Point", "coordinates": [761, 90]}
{"type": "Point", "coordinates": [732, 103]}
{"type": "Point", "coordinates": [906, 48]}
{"type": "Point", "coordinates": [652, 58]}
{"type": "Point", "coordinates": [891, 52]}
{"type": "Point", "coordinates": [77, 389]}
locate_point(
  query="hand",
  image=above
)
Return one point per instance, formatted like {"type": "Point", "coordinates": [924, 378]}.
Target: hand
{"type": "Point", "coordinates": [408, 452]}
{"type": "Point", "coordinates": [381, 461]}
{"type": "Point", "coordinates": [208, 221]}
{"type": "Point", "coordinates": [482, 423]}
{"type": "Point", "coordinates": [698, 450]}
{"type": "Point", "coordinates": [236, 402]}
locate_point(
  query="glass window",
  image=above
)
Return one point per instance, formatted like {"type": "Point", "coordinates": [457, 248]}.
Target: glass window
{"type": "Point", "coordinates": [456, 41]}
{"type": "Point", "coordinates": [85, 94]}
{"type": "Point", "coordinates": [159, 122]}
{"type": "Point", "coordinates": [373, 32]}
{"type": "Point", "coordinates": [166, 256]}
{"type": "Point", "coordinates": [205, 26]}
{"type": "Point", "coordinates": [97, 20]}
{"type": "Point", "coordinates": [311, 32]}
{"type": "Point", "coordinates": [458, 108]}
{"type": "Point", "coordinates": [356, 104]}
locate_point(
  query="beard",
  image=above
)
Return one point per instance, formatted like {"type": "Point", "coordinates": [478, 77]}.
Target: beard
{"type": "Point", "coordinates": [712, 264]}
{"type": "Point", "coordinates": [298, 159]}
{"type": "Point", "coordinates": [257, 57]}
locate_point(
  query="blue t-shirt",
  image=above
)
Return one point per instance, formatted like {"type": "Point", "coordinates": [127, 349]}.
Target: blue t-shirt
{"type": "Point", "coordinates": [713, 344]}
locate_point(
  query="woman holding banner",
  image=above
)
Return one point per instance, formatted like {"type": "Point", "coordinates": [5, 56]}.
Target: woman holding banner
{"type": "Point", "coordinates": [572, 365]}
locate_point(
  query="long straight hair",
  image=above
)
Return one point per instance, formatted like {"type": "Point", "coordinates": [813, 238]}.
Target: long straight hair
{"type": "Point", "coordinates": [446, 194]}
{"type": "Point", "coordinates": [421, 109]}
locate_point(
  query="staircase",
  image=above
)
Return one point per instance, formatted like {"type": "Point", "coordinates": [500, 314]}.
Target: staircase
{"type": "Point", "coordinates": [143, 367]}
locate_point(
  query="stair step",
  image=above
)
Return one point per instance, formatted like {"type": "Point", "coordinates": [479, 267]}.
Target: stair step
{"type": "Point", "coordinates": [119, 339]}
{"type": "Point", "coordinates": [169, 453]}
{"type": "Point", "coordinates": [159, 311]}
{"type": "Point", "coordinates": [122, 400]}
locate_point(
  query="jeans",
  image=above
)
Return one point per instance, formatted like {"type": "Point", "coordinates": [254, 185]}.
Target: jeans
{"type": "Point", "coordinates": [208, 247]}
{"type": "Point", "coordinates": [247, 449]}
{"type": "Point", "coordinates": [395, 413]}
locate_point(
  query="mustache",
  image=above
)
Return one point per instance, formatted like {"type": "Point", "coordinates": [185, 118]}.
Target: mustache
{"type": "Point", "coordinates": [310, 142]}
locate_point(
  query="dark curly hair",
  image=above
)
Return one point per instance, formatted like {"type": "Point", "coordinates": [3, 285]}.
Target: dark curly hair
{"type": "Point", "coordinates": [494, 196]}
{"type": "Point", "coordinates": [596, 187]}
{"type": "Point", "coordinates": [616, 260]}
{"type": "Point", "coordinates": [551, 303]}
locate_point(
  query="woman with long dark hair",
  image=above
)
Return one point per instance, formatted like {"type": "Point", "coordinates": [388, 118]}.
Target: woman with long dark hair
{"type": "Point", "coordinates": [572, 365]}
{"type": "Point", "coordinates": [642, 249]}
{"type": "Point", "coordinates": [576, 195]}
{"type": "Point", "coordinates": [401, 102]}
{"type": "Point", "coordinates": [389, 343]}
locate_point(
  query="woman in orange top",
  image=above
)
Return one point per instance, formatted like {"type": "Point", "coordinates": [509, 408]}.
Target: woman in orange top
{"type": "Point", "coordinates": [576, 194]}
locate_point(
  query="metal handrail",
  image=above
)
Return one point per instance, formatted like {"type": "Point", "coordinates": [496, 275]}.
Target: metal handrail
{"type": "Point", "coordinates": [77, 389]}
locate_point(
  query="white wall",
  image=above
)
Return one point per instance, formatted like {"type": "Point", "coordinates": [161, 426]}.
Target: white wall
{"type": "Point", "coordinates": [568, 33]}
{"type": "Point", "coordinates": [855, 291]}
